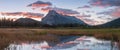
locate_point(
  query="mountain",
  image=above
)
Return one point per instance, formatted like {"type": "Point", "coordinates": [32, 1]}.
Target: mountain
{"type": "Point", "coordinates": [26, 22]}
{"type": "Point", "coordinates": [113, 23]}
{"type": "Point", "coordinates": [55, 19]}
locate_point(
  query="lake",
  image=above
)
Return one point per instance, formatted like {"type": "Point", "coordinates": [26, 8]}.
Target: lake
{"type": "Point", "coordinates": [68, 43]}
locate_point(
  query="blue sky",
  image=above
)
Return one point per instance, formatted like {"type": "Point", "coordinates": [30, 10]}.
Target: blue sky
{"type": "Point", "coordinates": [20, 5]}
{"type": "Point", "coordinates": [90, 11]}
{"type": "Point", "coordinates": [14, 5]}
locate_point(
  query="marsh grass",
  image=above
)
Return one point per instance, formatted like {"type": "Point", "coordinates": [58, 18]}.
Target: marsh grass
{"type": "Point", "coordinates": [11, 35]}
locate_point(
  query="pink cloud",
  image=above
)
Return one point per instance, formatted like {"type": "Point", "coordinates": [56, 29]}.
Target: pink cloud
{"type": "Point", "coordinates": [116, 13]}
{"type": "Point", "coordinates": [105, 3]}
{"type": "Point", "coordinates": [60, 10]}
{"type": "Point", "coordinates": [92, 21]}
{"type": "Point", "coordinates": [86, 6]}
{"type": "Point", "coordinates": [100, 3]}
{"type": "Point", "coordinates": [97, 3]}
{"type": "Point", "coordinates": [39, 4]}
{"type": "Point", "coordinates": [24, 14]}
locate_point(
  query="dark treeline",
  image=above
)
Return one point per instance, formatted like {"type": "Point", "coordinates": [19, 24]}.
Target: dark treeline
{"type": "Point", "coordinates": [64, 25]}
{"type": "Point", "coordinates": [27, 22]}
{"type": "Point", "coordinates": [4, 22]}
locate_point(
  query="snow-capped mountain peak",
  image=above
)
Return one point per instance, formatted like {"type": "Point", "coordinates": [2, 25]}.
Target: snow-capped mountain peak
{"type": "Point", "coordinates": [54, 18]}
{"type": "Point", "coordinates": [52, 12]}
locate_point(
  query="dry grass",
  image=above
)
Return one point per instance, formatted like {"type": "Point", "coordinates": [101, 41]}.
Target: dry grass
{"type": "Point", "coordinates": [8, 36]}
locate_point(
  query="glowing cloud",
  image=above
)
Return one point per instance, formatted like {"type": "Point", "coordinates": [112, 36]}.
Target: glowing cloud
{"type": "Point", "coordinates": [60, 10]}
{"type": "Point", "coordinates": [105, 3]}
{"type": "Point", "coordinates": [24, 14]}
{"type": "Point", "coordinates": [39, 4]}
{"type": "Point", "coordinates": [116, 13]}
{"type": "Point", "coordinates": [86, 6]}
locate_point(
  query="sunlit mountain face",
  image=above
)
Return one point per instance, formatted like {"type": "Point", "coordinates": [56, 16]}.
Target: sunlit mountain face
{"type": "Point", "coordinates": [93, 12]}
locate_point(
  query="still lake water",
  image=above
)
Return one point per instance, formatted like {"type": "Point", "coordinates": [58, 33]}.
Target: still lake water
{"type": "Point", "coordinates": [74, 43]}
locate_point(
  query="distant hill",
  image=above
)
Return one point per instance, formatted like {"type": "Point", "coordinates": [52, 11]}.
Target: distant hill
{"type": "Point", "coordinates": [26, 22]}
{"type": "Point", "coordinates": [55, 19]}
{"type": "Point", "coordinates": [114, 23]}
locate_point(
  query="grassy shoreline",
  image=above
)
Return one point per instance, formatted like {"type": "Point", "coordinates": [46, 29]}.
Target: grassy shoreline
{"type": "Point", "coordinates": [11, 35]}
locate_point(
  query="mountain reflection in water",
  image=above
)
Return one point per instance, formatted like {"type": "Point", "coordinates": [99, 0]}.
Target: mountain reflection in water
{"type": "Point", "coordinates": [81, 43]}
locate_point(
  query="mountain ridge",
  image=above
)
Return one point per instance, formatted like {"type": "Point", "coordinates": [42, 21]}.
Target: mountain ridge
{"type": "Point", "coordinates": [26, 22]}
{"type": "Point", "coordinates": [53, 18]}
{"type": "Point", "coordinates": [113, 23]}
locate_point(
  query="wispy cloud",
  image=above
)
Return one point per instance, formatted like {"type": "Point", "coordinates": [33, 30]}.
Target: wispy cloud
{"type": "Point", "coordinates": [116, 13]}
{"type": "Point", "coordinates": [113, 12]}
{"type": "Point", "coordinates": [39, 4]}
{"type": "Point", "coordinates": [24, 14]}
{"type": "Point", "coordinates": [85, 6]}
{"type": "Point", "coordinates": [105, 2]}
{"type": "Point", "coordinates": [60, 10]}
{"type": "Point", "coordinates": [46, 6]}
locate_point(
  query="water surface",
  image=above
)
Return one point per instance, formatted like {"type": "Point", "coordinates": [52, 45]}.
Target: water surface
{"type": "Point", "coordinates": [72, 43]}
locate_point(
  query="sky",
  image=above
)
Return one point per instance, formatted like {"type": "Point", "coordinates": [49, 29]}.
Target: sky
{"type": "Point", "coordinates": [93, 12]}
